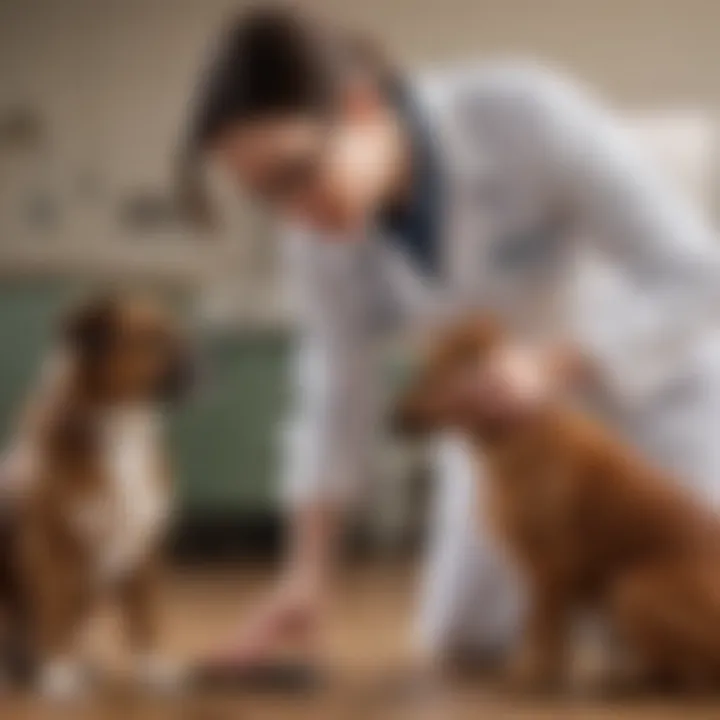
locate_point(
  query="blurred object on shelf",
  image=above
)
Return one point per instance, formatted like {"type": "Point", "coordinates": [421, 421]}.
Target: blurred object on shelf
{"type": "Point", "coordinates": [149, 211]}
{"type": "Point", "coordinates": [22, 129]}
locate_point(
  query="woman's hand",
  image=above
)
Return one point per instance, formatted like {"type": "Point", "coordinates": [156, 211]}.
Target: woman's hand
{"type": "Point", "coordinates": [516, 380]}
{"type": "Point", "coordinates": [510, 384]}
{"type": "Point", "coordinates": [289, 617]}
{"type": "Point", "coordinates": [571, 368]}
{"type": "Point", "coordinates": [292, 615]}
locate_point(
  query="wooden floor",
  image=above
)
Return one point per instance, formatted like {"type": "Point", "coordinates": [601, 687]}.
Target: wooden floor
{"type": "Point", "coordinates": [367, 678]}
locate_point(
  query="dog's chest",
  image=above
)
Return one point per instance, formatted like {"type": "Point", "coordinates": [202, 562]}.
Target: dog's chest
{"type": "Point", "coordinates": [132, 506]}
{"type": "Point", "coordinates": [531, 499]}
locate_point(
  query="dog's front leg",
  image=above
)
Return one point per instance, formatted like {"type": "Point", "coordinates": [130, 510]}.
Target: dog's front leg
{"type": "Point", "coordinates": [539, 662]}
{"type": "Point", "coordinates": [59, 602]}
{"type": "Point", "coordinates": [139, 599]}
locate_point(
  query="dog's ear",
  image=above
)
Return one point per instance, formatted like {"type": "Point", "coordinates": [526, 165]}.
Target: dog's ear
{"type": "Point", "coordinates": [89, 328]}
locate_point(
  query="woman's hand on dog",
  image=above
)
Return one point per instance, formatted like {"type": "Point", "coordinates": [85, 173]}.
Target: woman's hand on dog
{"type": "Point", "coordinates": [516, 380]}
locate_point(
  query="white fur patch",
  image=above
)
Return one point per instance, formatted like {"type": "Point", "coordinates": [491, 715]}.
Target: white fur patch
{"type": "Point", "coordinates": [160, 674]}
{"type": "Point", "coordinates": [129, 514]}
{"type": "Point", "coordinates": [62, 679]}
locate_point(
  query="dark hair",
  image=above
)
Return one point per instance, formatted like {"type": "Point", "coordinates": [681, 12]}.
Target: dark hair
{"type": "Point", "coordinates": [273, 61]}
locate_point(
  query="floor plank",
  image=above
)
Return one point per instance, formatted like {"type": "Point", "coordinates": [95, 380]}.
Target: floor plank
{"type": "Point", "coordinates": [368, 673]}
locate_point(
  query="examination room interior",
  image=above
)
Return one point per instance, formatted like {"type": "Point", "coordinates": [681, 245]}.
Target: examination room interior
{"type": "Point", "coordinates": [93, 99]}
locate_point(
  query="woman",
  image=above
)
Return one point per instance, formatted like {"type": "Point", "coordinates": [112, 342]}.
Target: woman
{"type": "Point", "coordinates": [480, 188]}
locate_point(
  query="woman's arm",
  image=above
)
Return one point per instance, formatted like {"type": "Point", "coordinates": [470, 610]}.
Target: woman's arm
{"type": "Point", "coordinates": [329, 432]}
{"type": "Point", "coordinates": [326, 440]}
{"type": "Point", "coordinates": [624, 207]}
{"type": "Point", "coordinates": [334, 410]}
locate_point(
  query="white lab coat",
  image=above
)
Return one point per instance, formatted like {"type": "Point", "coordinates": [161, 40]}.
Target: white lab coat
{"type": "Point", "coordinates": [538, 178]}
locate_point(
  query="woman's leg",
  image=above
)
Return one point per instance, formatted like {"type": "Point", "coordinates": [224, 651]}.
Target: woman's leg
{"type": "Point", "coordinates": [470, 600]}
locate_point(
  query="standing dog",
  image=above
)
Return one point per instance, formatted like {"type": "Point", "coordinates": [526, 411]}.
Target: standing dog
{"type": "Point", "coordinates": [591, 525]}
{"type": "Point", "coordinates": [91, 512]}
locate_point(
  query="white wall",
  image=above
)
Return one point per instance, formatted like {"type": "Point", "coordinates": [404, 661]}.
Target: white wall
{"type": "Point", "coordinates": [112, 77]}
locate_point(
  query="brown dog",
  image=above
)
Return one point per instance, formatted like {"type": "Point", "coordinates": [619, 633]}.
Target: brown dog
{"type": "Point", "coordinates": [89, 517]}
{"type": "Point", "coordinates": [591, 525]}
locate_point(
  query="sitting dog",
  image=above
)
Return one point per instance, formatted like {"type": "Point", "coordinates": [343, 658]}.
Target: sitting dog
{"type": "Point", "coordinates": [590, 524]}
{"type": "Point", "coordinates": [87, 520]}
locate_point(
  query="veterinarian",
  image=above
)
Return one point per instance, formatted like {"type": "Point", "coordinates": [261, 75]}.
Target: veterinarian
{"type": "Point", "coordinates": [493, 187]}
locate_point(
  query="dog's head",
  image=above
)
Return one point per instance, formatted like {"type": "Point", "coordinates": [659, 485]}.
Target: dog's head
{"type": "Point", "coordinates": [443, 391]}
{"type": "Point", "coordinates": [473, 378]}
{"type": "Point", "coordinates": [128, 349]}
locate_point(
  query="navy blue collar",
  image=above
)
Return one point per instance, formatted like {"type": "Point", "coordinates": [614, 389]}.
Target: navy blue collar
{"type": "Point", "coordinates": [414, 225]}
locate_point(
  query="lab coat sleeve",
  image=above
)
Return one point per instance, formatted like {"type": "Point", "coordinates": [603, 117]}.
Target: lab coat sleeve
{"type": "Point", "coordinates": [623, 206]}
{"type": "Point", "coordinates": [328, 433]}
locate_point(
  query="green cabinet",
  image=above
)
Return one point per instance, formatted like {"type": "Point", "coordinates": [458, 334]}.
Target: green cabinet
{"type": "Point", "coordinates": [226, 439]}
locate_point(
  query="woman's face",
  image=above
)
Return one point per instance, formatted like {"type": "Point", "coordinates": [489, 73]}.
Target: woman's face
{"type": "Point", "coordinates": [330, 175]}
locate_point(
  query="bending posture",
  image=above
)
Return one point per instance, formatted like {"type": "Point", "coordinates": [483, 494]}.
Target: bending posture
{"type": "Point", "coordinates": [483, 187]}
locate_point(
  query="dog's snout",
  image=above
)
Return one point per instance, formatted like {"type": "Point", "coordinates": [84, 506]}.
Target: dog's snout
{"type": "Point", "coordinates": [180, 376]}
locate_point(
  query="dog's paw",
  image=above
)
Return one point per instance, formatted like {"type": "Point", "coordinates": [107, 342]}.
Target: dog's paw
{"type": "Point", "coordinates": [529, 673]}
{"type": "Point", "coordinates": [62, 679]}
{"type": "Point", "coordinates": [160, 674]}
